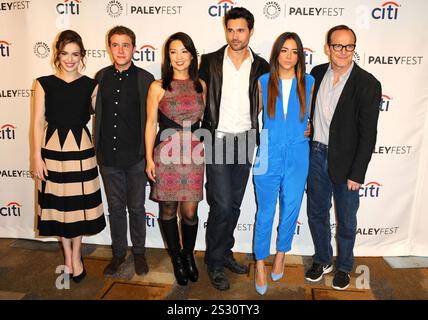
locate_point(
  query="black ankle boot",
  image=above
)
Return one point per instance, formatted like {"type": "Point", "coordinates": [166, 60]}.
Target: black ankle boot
{"type": "Point", "coordinates": [170, 232]}
{"type": "Point", "coordinates": [188, 234]}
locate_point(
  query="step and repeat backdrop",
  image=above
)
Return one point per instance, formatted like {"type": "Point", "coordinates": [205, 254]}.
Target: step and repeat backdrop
{"type": "Point", "coordinates": [391, 43]}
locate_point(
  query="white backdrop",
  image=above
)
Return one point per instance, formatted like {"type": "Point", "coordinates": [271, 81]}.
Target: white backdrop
{"type": "Point", "coordinates": [391, 44]}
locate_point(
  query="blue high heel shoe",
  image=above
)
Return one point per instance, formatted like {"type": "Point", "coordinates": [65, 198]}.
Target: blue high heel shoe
{"type": "Point", "coordinates": [260, 289]}
{"type": "Point", "coordinates": [276, 277]}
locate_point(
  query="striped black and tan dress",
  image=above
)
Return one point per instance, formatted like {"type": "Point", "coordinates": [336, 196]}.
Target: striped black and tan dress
{"type": "Point", "coordinates": [69, 202]}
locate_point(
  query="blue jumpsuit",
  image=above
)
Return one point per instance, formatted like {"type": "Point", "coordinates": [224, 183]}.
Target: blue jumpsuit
{"type": "Point", "coordinates": [283, 161]}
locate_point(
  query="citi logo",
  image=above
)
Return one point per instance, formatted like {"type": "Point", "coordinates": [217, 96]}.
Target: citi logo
{"type": "Point", "coordinates": [298, 226]}
{"type": "Point", "coordinates": [7, 132]}
{"type": "Point", "coordinates": [4, 48]}
{"type": "Point", "coordinates": [12, 209]}
{"type": "Point", "coordinates": [309, 55]}
{"type": "Point", "coordinates": [384, 103]}
{"type": "Point", "coordinates": [150, 219]}
{"type": "Point", "coordinates": [146, 53]}
{"type": "Point", "coordinates": [220, 9]}
{"type": "Point", "coordinates": [388, 11]}
{"type": "Point", "coordinates": [370, 190]}
{"type": "Point", "coordinates": [68, 7]}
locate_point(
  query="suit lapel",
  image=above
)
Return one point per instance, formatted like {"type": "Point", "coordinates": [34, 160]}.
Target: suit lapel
{"type": "Point", "coordinates": [219, 71]}
{"type": "Point", "coordinates": [347, 91]}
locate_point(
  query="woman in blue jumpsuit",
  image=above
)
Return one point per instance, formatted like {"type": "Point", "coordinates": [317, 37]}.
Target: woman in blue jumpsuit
{"type": "Point", "coordinates": [282, 162]}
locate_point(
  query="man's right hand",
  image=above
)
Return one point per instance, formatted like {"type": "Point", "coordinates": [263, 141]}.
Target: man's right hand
{"type": "Point", "coordinates": [307, 132]}
{"type": "Point", "coordinates": [151, 171]}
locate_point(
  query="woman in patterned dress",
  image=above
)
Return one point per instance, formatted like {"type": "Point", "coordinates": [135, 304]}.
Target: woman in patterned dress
{"type": "Point", "coordinates": [175, 165]}
{"type": "Point", "coordinates": [63, 162]}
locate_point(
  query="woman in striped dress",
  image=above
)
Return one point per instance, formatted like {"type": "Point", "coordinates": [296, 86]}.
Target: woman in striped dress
{"type": "Point", "coordinates": [69, 197]}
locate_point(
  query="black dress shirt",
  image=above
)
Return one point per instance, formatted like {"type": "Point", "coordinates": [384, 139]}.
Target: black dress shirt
{"type": "Point", "coordinates": [120, 123]}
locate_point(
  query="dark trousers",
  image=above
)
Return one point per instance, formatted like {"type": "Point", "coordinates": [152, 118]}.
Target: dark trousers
{"type": "Point", "coordinates": [225, 189]}
{"type": "Point", "coordinates": [320, 191]}
{"type": "Point", "coordinates": [126, 187]}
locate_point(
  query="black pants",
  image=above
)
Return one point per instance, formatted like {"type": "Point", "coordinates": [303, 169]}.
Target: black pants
{"type": "Point", "coordinates": [126, 187]}
{"type": "Point", "coordinates": [225, 189]}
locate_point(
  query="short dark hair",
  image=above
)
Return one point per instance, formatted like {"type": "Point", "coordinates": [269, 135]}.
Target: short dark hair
{"type": "Point", "coordinates": [237, 13]}
{"type": "Point", "coordinates": [64, 38]}
{"type": "Point", "coordinates": [167, 70]}
{"type": "Point", "coordinates": [121, 30]}
{"type": "Point", "coordinates": [339, 27]}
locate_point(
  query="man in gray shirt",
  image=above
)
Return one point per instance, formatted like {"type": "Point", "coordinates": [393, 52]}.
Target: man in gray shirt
{"type": "Point", "coordinates": [345, 109]}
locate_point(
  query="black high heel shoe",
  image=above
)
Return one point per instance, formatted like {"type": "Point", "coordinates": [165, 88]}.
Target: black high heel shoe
{"type": "Point", "coordinates": [81, 276]}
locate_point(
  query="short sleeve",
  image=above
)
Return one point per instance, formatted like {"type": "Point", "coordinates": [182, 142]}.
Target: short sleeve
{"type": "Point", "coordinates": [43, 82]}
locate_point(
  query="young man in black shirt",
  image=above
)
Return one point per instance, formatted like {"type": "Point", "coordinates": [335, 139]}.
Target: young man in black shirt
{"type": "Point", "coordinates": [120, 114]}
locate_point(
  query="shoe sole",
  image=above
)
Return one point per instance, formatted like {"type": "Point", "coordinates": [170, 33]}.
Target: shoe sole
{"type": "Point", "coordinates": [326, 271]}
{"type": "Point", "coordinates": [340, 288]}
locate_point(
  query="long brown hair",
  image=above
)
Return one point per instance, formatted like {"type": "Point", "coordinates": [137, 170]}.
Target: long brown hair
{"type": "Point", "coordinates": [299, 68]}
{"type": "Point", "coordinates": [66, 37]}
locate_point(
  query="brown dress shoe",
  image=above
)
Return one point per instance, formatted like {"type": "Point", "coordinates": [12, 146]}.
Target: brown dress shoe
{"type": "Point", "coordinates": [140, 264]}
{"type": "Point", "coordinates": [113, 266]}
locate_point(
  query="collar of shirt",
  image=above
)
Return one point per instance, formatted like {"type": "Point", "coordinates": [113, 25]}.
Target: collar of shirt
{"type": "Point", "coordinates": [126, 72]}
{"type": "Point", "coordinates": [227, 58]}
{"type": "Point", "coordinates": [343, 77]}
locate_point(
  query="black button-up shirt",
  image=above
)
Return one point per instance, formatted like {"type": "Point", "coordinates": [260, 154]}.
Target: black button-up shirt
{"type": "Point", "coordinates": [120, 122]}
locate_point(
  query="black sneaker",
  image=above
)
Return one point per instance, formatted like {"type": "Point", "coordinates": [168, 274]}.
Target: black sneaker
{"type": "Point", "coordinates": [316, 272]}
{"type": "Point", "coordinates": [341, 280]}
{"type": "Point", "coordinates": [113, 266]}
{"type": "Point", "coordinates": [235, 266]}
{"type": "Point", "coordinates": [218, 279]}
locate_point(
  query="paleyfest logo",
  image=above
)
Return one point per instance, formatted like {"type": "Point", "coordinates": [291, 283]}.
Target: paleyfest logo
{"type": "Point", "coordinates": [272, 10]}
{"type": "Point", "coordinates": [357, 58]}
{"type": "Point", "coordinates": [114, 8]}
{"type": "Point", "coordinates": [220, 9]}
{"type": "Point", "coordinates": [388, 11]}
{"type": "Point", "coordinates": [41, 50]}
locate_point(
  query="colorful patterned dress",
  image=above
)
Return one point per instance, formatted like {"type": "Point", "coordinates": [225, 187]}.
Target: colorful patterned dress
{"type": "Point", "coordinates": [70, 199]}
{"type": "Point", "coordinates": [179, 159]}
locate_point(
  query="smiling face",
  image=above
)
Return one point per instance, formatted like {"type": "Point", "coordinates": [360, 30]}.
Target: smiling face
{"type": "Point", "coordinates": [121, 49]}
{"type": "Point", "coordinates": [238, 34]}
{"type": "Point", "coordinates": [288, 56]}
{"type": "Point", "coordinates": [340, 60]}
{"type": "Point", "coordinates": [179, 56]}
{"type": "Point", "coordinates": [70, 57]}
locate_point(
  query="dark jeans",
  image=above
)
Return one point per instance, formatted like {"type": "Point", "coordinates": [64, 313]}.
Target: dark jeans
{"type": "Point", "coordinates": [225, 189]}
{"type": "Point", "coordinates": [126, 187]}
{"type": "Point", "coordinates": [320, 191]}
